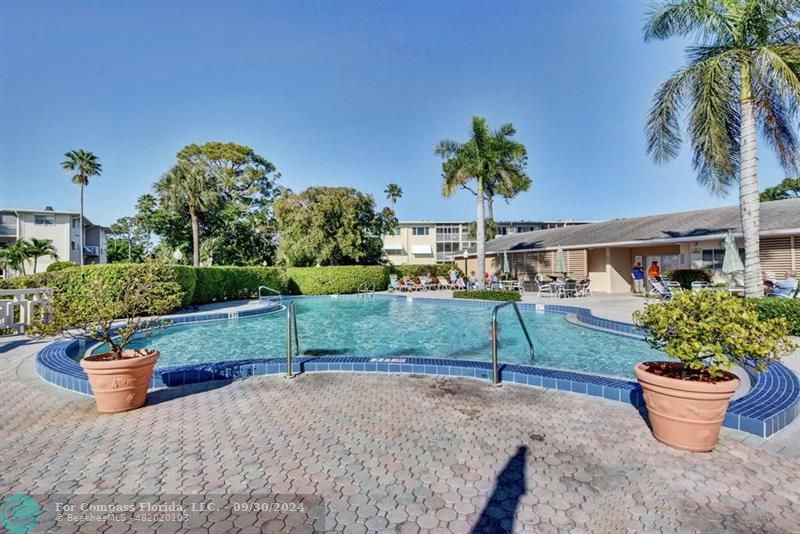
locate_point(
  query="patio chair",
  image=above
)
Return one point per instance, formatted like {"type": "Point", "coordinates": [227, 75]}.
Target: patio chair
{"type": "Point", "coordinates": [584, 290]}
{"type": "Point", "coordinates": [544, 289]}
{"type": "Point", "coordinates": [394, 284]}
{"type": "Point", "coordinates": [428, 283]}
{"type": "Point", "coordinates": [699, 285]}
{"type": "Point", "coordinates": [444, 283]}
{"type": "Point", "coordinates": [568, 289]}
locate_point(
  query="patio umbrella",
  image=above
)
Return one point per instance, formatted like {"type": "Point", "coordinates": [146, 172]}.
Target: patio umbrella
{"type": "Point", "coordinates": [732, 263]}
{"type": "Point", "coordinates": [561, 262]}
{"type": "Point", "coordinates": [506, 268]}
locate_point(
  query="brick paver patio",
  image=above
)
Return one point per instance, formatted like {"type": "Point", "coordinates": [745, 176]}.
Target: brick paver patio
{"type": "Point", "coordinates": [393, 453]}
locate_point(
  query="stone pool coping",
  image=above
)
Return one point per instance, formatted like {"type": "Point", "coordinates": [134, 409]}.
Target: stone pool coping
{"type": "Point", "coordinates": [772, 403]}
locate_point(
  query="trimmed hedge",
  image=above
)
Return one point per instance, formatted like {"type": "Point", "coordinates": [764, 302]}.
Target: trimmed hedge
{"type": "Point", "coordinates": [215, 284]}
{"type": "Point", "coordinates": [772, 307]}
{"type": "Point", "coordinates": [488, 294]}
{"type": "Point", "coordinates": [74, 283]}
{"type": "Point", "coordinates": [60, 266]}
{"type": "Point", "coordinates": [336, 279]}
{"type": "Point", "coordinates": [437, 269]}
{"type": "Point", "coordinates": [685, 277]}
{"type": "Point", "coordinates": [201, 285]}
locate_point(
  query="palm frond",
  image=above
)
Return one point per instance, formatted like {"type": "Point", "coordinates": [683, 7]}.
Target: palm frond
{"type": "Point", "coordinates": [680, 18]}
{"type": "Point", "coordinates": [663, 121]}
{"type": "Point", "coordinates": [714, 122]}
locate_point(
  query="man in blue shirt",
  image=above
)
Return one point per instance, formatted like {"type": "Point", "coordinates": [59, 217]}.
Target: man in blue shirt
{"type": "Point", "coordinates": [787, 286]}
{"type": "Point", "coordinates": [637, 272]}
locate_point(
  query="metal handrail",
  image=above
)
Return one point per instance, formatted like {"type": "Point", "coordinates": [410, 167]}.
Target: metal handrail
{"type": "Point", "coordinates": [495, 364]}
{"type": "Point", "coordinates": [275, 291]}
{"type": "Point", "coordinates": [291, 325]}
{"type": "Point", "coordinates": [366, 288]}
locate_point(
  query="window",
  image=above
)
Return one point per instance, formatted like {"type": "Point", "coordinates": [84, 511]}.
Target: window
{"type": "Point", "coordinates": [74, 223]}
{"type": "Point", "coordinates": [44, 219]}
{"type": "Point", "coordinates": [73, 245]}
{"type": "Point", "coordinates": [447, 232]}
{"type": "Point", "coordinates": [713, 258]}
{"type": "Point", "coordinates": [420, 230]}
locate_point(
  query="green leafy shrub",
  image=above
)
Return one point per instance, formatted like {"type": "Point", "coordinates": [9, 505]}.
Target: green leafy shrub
{"type": "Point", "coordinates": [60, 266]}
{"type": "Point", "coordinates": [685, 277]}
{"type": "Point", "coordinates": [336, 279]}
{"type": "Point", "coordinates": [76, 282]}
{"type": "Point", "coordinates": [216, 284]}
{"type": "Point", "coordinates": [136, 295]}
{"type": "Point", "coordinates": [437, 269]}
{"type": "Point", "coordinates": [709, 330]}
{"type": "Point", "coordinates": [488, 294]}
{"type": "Point", "coordinates": [773, 307]}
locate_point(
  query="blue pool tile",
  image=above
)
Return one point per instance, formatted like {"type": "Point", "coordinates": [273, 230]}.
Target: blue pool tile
{"type": "Point", "coordinates": [611, 393]}
{"type": "Point", "coordinates": [579, 387]}
{"type": "Point", "coordinates": [564, 385]}
{"type": "Point", "coordinates": [594, 390]}
{"type": "Point", "coordinates": [752, 426]}
{"type": "Point", "coordinates": [548, 382]}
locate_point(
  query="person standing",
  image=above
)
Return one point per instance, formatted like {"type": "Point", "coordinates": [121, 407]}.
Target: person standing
{"type": "Point", "coordinates": [637, 273]}
{"type": "Point", "coordinates": [654, 271]}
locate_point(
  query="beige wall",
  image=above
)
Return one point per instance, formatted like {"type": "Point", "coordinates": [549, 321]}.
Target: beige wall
{"type": "Point", "coordinates": [596, 259]}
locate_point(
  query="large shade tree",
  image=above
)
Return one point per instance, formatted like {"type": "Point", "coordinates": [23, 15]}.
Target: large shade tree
{"type": "Point", "coordinates": [331, 226]}
{"type": "Point", "coordinates": [743, 74]}
{"type": "Point", "coordinates": [488, 157]}
{"type": "Point", "coordinates": [82, 165]}
{"type": "Point", "coordinates": [238, 229]}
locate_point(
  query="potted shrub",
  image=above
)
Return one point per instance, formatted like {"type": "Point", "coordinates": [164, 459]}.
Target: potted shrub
{"type": "Point", "coordinates": [706, 331]}
{"type": "Point", "coordinates": [115, 310]}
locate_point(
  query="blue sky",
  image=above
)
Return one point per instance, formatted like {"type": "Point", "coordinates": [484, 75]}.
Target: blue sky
{"type": "Point", "coordinates": [340, 93]}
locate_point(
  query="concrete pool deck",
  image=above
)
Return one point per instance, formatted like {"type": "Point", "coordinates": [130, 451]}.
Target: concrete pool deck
{"type": "Point", "coordinates": [398, 453]}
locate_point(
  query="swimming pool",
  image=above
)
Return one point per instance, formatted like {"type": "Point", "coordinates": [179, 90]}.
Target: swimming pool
{"type": "Point", "coordinates": [394, 327]}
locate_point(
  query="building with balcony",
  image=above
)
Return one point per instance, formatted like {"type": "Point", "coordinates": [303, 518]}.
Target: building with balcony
{"type": "Point", "coordinates": [425, 242]}
{"type": "Point", "coordinates": [60, 227]}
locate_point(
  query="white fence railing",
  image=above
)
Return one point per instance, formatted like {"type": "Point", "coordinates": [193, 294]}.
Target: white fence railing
{"type": "Point", "coordinates": [19, 311]}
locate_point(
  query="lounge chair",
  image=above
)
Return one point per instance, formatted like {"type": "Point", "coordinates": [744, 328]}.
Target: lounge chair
{"type": "Point", "coordinates": [394, 284]}
{"type": "Point", "coordinates": [659, 290]}
{"type": "Point", "coordinates": [443, 283]}
{"type": "Point", "coordinates": [674, 287]}
{"type": "Point", "coordinates": [699, 285]}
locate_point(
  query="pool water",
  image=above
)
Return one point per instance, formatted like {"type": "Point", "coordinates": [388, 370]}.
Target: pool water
{"type": "Point", "coordinates": [396, 327]}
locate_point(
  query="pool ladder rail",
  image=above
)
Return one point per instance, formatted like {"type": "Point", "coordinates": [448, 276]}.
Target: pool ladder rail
{"type": "Point", "coordinates": [495, 363]}
{"type": "Point", "coordinates": [273, 291]}
{"type": "Point", "coordinates": [291, 328]}
{"type": "Point", "coordinates": [366, 289]}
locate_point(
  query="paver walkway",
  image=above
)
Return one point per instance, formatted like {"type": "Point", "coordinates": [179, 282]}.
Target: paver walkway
{"type": "Point", "coordinates": [392, 453]}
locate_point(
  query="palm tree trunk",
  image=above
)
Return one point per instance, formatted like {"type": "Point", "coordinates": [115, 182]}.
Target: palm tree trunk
{"type": "Point", "coordinates": [748, 198]}
{"type": "Point", "coordinates": [195, 237]}
{"type": "Point", "coordinates": [480, 232]}
{"type": "Point", "coordinates": [490, 207]}
{"type": "Point", "coordinates": [80, 229]}
{"type": "Point", "coordinates": [35, 261]}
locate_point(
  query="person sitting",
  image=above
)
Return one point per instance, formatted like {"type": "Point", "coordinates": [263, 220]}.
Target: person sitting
{"type": "Point", "coordinates": [495, 281]}
{"type": "Point", "coordinates": [786, 287]}
{"type": "Point", "coordinates": [769, 287]}
{"type": "Point", "coordinates": [472, 281]}
{"type": "Point", "coordinates": [487, 280]}
{"type": "Point", "coordinates": [459, 283]}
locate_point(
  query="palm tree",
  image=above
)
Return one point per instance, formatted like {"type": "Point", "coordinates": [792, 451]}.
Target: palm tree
{"type": "Point", "coordinates": [743, 72]}
{"type": "Point", "coordinates": [36, 248]}
{"type": "Point", "coordinates": [788, 188]}
{"type": "Point", "coordinates": [14, 256]}
{"type": "Point", "coordinates": [393, 192]}
{"type": "Point", "coordinates": [85, 165]}
{"type": "Point", "coordinates": [486, 157]}
{"type": "Point", "coordinates": [191, 185]}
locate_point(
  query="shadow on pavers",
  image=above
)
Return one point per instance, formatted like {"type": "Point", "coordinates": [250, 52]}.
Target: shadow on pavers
{"type": "Point", "coordinates": [498, 514]}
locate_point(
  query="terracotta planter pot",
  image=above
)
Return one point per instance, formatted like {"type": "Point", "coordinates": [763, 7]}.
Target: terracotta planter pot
{"type": "Point", "coordinates": [686, 414]}
{"type": "Point", "coordinates": [120, 385]}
